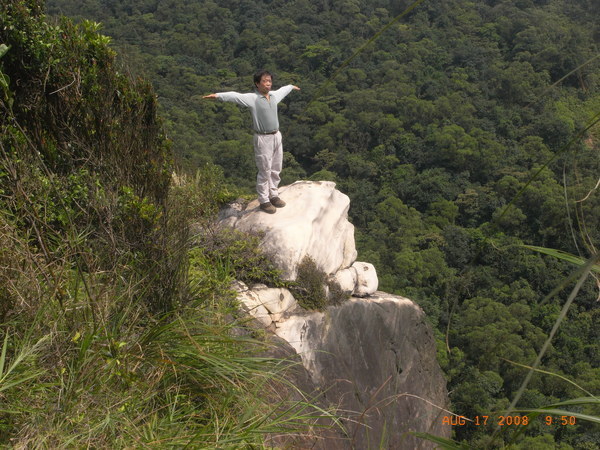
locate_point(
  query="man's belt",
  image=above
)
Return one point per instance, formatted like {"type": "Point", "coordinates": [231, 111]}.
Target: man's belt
{"type": "Point", "coordinates": [271, 132]}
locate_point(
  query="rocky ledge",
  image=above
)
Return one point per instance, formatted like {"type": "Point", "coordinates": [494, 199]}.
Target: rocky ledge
{"type": "Point", "coordinates": [372, 357]}
{"type": "Point", "coordinates": [314, 224]}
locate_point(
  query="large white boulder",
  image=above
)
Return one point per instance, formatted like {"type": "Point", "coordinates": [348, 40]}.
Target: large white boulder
{"type": "Point", "coordinates": [251, 303]}
{"type": "Point", "coordinates": [346, 279]}
{"type": "Point", "coordinates": [366, 279]}
{"type": "Point", "coordinates": [277, 301]}
{"type": "Point", "coordinates": [359, 280]}
{"type": "Point", "coordinates": [314, 223]}
{"type": "Point", "coordinates": [267, 305]}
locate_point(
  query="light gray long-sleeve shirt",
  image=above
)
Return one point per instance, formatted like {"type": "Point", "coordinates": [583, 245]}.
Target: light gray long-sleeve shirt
{"type": "Point", "coordinates": [264, 112]}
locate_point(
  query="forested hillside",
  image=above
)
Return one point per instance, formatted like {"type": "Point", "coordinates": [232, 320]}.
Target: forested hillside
{"type": "Point", "coordinates": [464, 131]}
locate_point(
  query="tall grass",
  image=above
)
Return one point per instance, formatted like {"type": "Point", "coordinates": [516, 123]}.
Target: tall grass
{"type": "Point", "coordinates": [111, 373]}
{"type": "Point", "coordinates": [175, 382]}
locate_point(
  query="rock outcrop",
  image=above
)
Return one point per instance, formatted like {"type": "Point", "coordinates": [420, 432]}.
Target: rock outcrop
{"type": "Point", "coordinates": [315, 224]}
{"type": "Point", "coordinates": [373, 357]}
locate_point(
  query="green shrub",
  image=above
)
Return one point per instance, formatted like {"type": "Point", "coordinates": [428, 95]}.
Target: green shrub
{"type": "Point", "coordinates": [201, 195]}
{"type": "Point", "coordinates": [313, 289]}
{"type": "Point", "coordinates": [221, 255]}
{"type": "Point", "coordinates": [86, 167]}
{"type": "Point", "coordinates": [77, 108]}
{"type": "Point", "coordinates": [309, 288]}
{"type": "Point", "coordinates": [337, 295]}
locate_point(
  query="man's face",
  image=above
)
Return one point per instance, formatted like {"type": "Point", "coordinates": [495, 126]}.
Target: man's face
{"type": "Point", "coordinates": [265, 84]}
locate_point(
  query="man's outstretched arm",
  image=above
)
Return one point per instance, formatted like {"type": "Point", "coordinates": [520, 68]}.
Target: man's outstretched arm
{"type": "Point", "coordinates": [282, 92]}
{"type": "Point", "coordinates": [233, 97]}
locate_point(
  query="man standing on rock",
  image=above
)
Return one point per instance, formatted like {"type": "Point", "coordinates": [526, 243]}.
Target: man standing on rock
{"type": "Point", "coordinates": [268, 149]}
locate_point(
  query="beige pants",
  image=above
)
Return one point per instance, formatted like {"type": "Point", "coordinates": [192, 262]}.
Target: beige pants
{"type": "Point", "coordinates": [268, 154]}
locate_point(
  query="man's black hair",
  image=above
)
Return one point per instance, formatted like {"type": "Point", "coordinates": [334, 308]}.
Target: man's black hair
{"type": "Point", "coordinates": [258, 76]}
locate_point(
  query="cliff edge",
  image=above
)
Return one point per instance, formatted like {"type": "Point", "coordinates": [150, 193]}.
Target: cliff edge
{"type": "Point", "coordinates": [371, 357]}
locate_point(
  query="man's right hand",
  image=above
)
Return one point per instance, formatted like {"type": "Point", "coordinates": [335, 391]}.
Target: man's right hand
{"type": "Point", "coordinates": [210, 96]}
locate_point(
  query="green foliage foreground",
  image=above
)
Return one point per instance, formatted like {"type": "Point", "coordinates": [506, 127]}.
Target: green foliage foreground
{"type": "Point", "coordinates": [111, 336]}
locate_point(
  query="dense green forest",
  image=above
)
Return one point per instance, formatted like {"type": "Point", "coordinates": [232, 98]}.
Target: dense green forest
{"type": "Point", "coordinates": [465, 131]}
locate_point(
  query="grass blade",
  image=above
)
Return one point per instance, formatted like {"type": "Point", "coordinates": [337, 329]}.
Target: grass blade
{"type": "Point", "coordinates": [562, 412]}
{"type": "Point", "coordinates": [3, 355]}
{"type": "Point", "coordinates": [553, 374]}
{"type": "Point", "coordinates": [565, 256]}
{"type": "Point", "coordinates": [563, 313]}
{"type": "Point", "coordinates": [25, 353]}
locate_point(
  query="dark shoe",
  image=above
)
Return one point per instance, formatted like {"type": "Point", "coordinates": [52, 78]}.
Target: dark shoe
{"type": "Point", "coordinates": [268, 208]}
{"type": "Point", "coordinates": [277, 202]}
